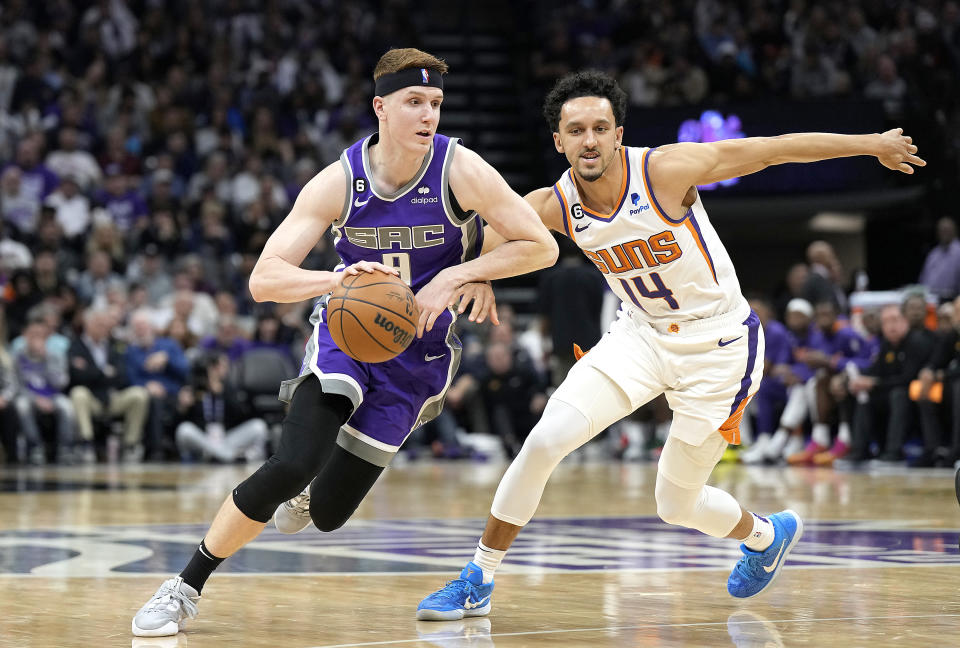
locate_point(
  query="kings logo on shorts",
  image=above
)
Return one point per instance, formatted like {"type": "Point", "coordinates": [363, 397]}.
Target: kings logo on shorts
{"type": "Point", "coordinates": [400, 334]}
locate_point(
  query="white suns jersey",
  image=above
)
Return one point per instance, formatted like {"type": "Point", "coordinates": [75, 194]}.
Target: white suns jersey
{"type": "Point", "coordinates": [669, 270]}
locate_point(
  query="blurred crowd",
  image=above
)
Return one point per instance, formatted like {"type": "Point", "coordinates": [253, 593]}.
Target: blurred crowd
{"type": "Point", "coordinates": [148, 149]}
{"type": "Point", "coordinates": [675, 53]}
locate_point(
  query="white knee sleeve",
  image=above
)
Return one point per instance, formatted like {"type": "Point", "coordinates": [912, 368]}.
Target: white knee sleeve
{"type": "Point", "coordinates": [684, 499]}
{"type": "Point", "coordinates": [561, 430]}
{"type": "Point", "coordinates": [586, 403]}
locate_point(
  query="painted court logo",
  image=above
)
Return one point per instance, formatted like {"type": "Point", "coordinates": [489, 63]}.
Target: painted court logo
{"type": "Point", "coordinates": [581, 544]}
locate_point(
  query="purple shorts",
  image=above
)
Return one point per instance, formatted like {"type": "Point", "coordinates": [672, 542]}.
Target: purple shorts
{"type": "Point", "coordinates": [390, 399]}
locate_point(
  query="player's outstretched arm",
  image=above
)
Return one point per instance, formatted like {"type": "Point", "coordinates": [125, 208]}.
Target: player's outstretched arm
{"type": "Point", "coordinates": [277, 276]}
{"type": "Point", "coordinates": [677, 167]}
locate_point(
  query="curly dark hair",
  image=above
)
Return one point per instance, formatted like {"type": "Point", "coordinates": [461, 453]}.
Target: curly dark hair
{"type": "Point", "coordinates": [589, 83]}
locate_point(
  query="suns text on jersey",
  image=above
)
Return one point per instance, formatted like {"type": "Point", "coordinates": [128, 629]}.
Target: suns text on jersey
{"type": "Point", "coordinates": [658, 250]}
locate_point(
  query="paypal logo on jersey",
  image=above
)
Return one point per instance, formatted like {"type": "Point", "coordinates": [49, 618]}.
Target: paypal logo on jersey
{"type": "Point", "coordinates": [635, 198]}
{"type": "Point", "coordinates": [423, 191]}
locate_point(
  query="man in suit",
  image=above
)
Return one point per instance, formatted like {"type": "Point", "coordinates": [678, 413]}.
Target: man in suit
{"type": "Point", "coordinates": [100, 385]}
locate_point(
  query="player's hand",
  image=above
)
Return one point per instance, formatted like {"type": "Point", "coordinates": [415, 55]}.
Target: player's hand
{"type": "Point", "coordinates": [898, 152]}
{"type": "Point", "coordinates": [368, 266]}
{"type": "Point", "coordinates": [484, 302]}
{"type": "Point", "coordinates": [434, 298]}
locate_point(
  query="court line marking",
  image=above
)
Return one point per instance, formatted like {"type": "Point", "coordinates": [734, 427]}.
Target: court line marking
{"type": "Point", "coordinates": [533, 571]}
{"type": "Point", "coordinates": [646, 626]}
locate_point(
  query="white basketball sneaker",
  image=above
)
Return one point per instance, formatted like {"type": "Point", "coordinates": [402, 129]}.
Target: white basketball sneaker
{"type": "Point", "coordinates": [293, 515]}
{"type": "Point", "coordinates": [167, 611]}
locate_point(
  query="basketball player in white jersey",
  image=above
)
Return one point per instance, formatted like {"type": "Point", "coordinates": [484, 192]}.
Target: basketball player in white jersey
{"type": "Point", "coordinates": [684, 328]}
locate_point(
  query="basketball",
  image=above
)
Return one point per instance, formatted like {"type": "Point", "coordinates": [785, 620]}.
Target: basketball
{"type": "Point", "coordinates": [372, 316]}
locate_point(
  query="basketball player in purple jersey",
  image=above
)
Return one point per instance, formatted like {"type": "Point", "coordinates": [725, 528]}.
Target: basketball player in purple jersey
{"type": "Point", "coordinates": [684, 329]}
{"type": "Point", "coordinates": [406, 201]}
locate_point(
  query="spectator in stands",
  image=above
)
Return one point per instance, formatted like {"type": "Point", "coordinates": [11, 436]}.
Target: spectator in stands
{"type": "Point", "coordinates": [178, 331]}
{"type": "Point", "coordinates": [43, 376]}
{"type": "Point", "coordinates": [794, 373]}
{"type": "Point", "coordinates": [902, 354]}
{"type": "Point", "coordinates": [228, 340]}
{"type": "Point", "coordinates": [105, 237]}
{"type": "Point", "coordinates": [14, 255]}
{"type": "Point", "coordinates": [768, 403]}
{"type": "Point", "coordinates": [159, 364]}
{"type": "Point", "coordinates": [888, 87]}
{"type": "Point", "coordinates": [512, 394]}
{"type": "Point", "coordinates": [212, 422]}
{"type": "Point", "coordinates": [99, 386]}
{"type": "Point", "coordinates": [21, 296]}
{"type": "Point", "coordinates": [9, 387]}
{"type": "Point", "coordinates": [47, 274]}
{"type": "Point", "coordinates": [839, 346]}
{"type": "Point", "coordinates": [824, 281]}
{"type": "Point", "coordinates": [57, 343]}
{"type": "Point", "coordinates": [941, 269]}
{"type": "Point", "coordinates": [20, 208]}
{"type": "Point", "coordinates": [99, 275]}
{"type": "Point", "coordinates": [71, 161]}
{"type": "Point", "coordinates": [124, 204]}
{"type": "Point", "coordinates": [272, 333]}
{"type": "Point", "coordinates": [571, 286]}
{"type": "Point", "coordinates": [794, 287]}
{"type": "Point", "coordinates": [72, 208]}
{"type": "Point", "coordinates": [36, 179]}
{"type": "Point", "coordinates": [149, 270]}
{"type": "Point", "coordinates": [937, 385]}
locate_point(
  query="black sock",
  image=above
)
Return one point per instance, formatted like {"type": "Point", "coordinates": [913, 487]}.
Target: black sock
{"type": "Point", "coordinates": [198, 570]}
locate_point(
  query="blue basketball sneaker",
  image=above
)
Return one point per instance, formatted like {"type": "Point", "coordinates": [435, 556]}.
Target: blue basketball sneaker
{"type": "Point", "coordinates": [465, 597]}
{"type": "Point", "coordinates": [757, 569]}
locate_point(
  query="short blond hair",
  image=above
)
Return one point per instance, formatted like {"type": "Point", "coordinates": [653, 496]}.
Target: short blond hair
{"type": "Point", "coordinates": [403, 58]}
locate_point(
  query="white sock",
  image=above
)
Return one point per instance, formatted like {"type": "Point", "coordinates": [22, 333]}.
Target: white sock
{"type": "Point", "coordinates": [843, 433]}
{"type": "Point", "coordinates": [762, 535]}
{"type": "Point", "coordinates": [489, 559]}
{"type": "Point", "coordinates": [821, 434]}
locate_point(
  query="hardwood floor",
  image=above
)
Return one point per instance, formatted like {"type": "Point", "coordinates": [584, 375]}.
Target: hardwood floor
{"type": "Point", "coordinates": [82, 548]}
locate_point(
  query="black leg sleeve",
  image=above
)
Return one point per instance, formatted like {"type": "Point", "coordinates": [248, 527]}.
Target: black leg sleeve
{"type": "Point", "coordinates": [340, 487]}
{"type": "Point", "coordinates": [309, 435]}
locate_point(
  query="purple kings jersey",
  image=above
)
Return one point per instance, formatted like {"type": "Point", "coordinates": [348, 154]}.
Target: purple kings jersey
{"type": "Point", "coordinates": [418, 229]}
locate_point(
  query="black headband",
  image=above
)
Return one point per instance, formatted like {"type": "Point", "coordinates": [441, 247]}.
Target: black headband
{"type": "Point", "coordinates": [424, 77]}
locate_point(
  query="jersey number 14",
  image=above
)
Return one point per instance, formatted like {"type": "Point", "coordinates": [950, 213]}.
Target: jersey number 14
{"type": "Point", "coordinates": [661, 291]}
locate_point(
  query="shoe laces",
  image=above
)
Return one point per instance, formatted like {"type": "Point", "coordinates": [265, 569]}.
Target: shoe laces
{"type": "Point", "coordinates": [171, 595]}
{"type": "Point", "coordinates": [453, 591]}
{"type": "Point", "coordinates": [300, 505]}
{"type": "Point", "coordinates": [753, 565]}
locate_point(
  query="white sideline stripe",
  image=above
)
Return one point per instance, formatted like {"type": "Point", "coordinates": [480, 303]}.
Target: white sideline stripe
{"type": "Point", "coordinates": [651, 626]}
{"type": "Point", "coordinates": [455, 565]}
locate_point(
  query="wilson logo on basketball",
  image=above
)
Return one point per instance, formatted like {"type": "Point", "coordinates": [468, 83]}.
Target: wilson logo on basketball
{"type": "Point", "coordinates": [401, 336]}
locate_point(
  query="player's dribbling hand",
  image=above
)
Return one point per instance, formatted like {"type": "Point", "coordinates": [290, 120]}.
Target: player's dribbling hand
{"type": "Point", "coordinates": [369, 266]}
{"type": "Point", "coordinates": [898, 152]}
{"type": "Point", "coordinates": [484, 302]}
